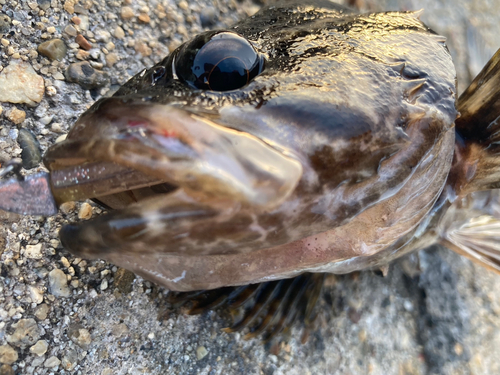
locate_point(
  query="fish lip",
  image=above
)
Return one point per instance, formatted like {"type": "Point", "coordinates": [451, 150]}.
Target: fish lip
{"type": "Point", "coordinates": [188, 148]}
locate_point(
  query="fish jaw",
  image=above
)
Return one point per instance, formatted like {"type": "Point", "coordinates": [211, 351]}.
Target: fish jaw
{"type": "Point", "coordinates": [189, 151]}
{"type": "Point", "coordinates": [185, 243]}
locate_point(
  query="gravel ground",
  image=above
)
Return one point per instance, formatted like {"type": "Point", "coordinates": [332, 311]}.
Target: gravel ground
{"type": "Point", "coordinates": [60, 314]}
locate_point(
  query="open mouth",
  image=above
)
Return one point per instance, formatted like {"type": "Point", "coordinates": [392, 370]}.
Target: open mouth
{"type": "Point", "coordinates": [168, 144]}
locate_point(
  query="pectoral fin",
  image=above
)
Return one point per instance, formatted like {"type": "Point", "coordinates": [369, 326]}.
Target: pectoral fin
{"type": "Point", "coordinates": [269, 308]}
{"type": "Point", "coordinates": [478, 239]}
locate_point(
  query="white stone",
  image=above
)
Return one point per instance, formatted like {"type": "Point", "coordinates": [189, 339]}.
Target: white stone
{"type": "Point", "coordinates": [58, 283]}
{"type": "Point", "coordinates": [19, 83]}
{"type": "Point", "coordinates": [40, 348]}
{"type": "Point", "coordinates": [36, 294]}
{"type": "Point", "coordinates": [34, 251]}
{"type": "Point", "coordinates": [52, 362]}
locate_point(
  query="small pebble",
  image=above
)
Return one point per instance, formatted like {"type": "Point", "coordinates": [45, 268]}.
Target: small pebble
{"type": "Point", "coordinates": [67, 207]}
{"type": "Point", "coordinates": [6, 370]}
{"type": "Point", "coordinates": [84, 22]}
{"type": "Point", "coordinates": [119, 33]}
{"type": "Point", "coordinates": [51, 91]}
{"type": "Point", "coordinates": [71, 31]}
{"type": "Point", "coordinates": [19, 83]}
{"type": "Point", "coordinates": [36, 294]}
{"type": "Point", "coordinates": [58, 283]}
{"type": "Point", "coordinates": [123, 280]}
{"type": "Point", "coordinates": [82, 55]}
{"type": "Point", "coordinates": [85, 212]}
{"type": "Point", "coordinates": [17, 116]}
{"type": "Point", "coordinates": [59, 76]}
{"type": "Point", "coordinates": [120, 330]}
{"type": "Point", "coordinates": [8, 355]}
{"type": "Point", "coordinates": [4, 24]}
{"type": "Point", "coordinates": [111, 59]}
{"type": "Point", "coordinates": [27, 332]}
{"type": "Point", "coordinates": [104, 284]}
{"type": "Point", "coordinates": [82, 42]}
{"type": "Point", "coordinates": [44, 4]}
{"type": "Point", "coordinates": [65, 262]}
{"type": "Point", "coordinates": [70, 360]}
{"type": "Point", "coordinates": [142, 48]}
{"type": "Point", "coordinates": [38, 361]}
{"type": "Point", "coordinates": [79, 336]}
{"type": "Point", "coordinates": [34, 251]}
{"type": "Point", "coordinates": [31, 154]}
{"type": "Point", "coordinates": [127, 13]}
{"type": "Point", "coordinates": [208, 16]}
{"type": "Point", "coordinates": [80, 9]}
{"type": "Point", "coordinates": [52, 362]}
{"type": "Point", "coordinates": [41, 311]}
{"type": "Point", "coordinates": [40, 348]}
{"type": "Point", "coordinates": [201, 352]}
{"type": "Point", "coordinates": [102, 36]}
{"type": "Point", "coordinates": [54, 49]}
{"type": "Point", "coordinates": [144, 18]}
{"type": "Point", "coordinates": [69, 6]}
{"type": "Point", "coordinates": [86, 76]}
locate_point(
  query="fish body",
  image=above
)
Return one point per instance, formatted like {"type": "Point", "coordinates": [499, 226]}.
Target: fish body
{"type": "Point", "coordinates": [336, 150]}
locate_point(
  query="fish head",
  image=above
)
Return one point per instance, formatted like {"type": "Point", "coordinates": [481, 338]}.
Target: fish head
{"type": "Point", "coordinates": [290, 132]}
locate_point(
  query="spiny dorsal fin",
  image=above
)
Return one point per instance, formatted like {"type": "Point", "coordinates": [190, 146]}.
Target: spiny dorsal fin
{"type": "Point", "coordinates": [477, 155]}
{"type": "Point", "coordinates": [479, 105]}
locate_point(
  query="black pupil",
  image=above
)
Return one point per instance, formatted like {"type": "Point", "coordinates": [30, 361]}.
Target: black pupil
{"type": "Point", "coordinates": [219, 61]}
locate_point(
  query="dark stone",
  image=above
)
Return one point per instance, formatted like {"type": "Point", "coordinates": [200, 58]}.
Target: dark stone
{"type": "Point", "coordinates": [44, 4]}
{"type": "Point", "coordinates": [31, 154]}
{"type": "Point", "coordinates": [86, 76]}
{"type": "Point", "coordinates": [208, 17]}
{"type": "Point", "coordinates": [4, 23]}
{"type": "Point", "coordinates": [123, 280]}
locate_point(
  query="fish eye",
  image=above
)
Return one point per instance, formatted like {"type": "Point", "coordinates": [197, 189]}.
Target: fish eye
{"type": "Point", "coordinates": [218, 61]}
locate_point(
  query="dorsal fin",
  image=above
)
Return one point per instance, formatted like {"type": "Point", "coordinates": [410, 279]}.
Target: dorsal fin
{"type": "Point", "coordinates": [477, 157]}
{"type": "Point", "coordinates": [479, 105]}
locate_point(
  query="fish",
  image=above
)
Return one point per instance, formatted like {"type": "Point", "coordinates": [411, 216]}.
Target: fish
{"type": "Point", "coordinates": [251, 161]}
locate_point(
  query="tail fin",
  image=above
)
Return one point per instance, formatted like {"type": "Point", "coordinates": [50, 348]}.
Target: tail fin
{"type": "Point", "coordinates": [477, 159]}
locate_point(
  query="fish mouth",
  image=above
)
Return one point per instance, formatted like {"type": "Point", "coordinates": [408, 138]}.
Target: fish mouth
{"type": "Point", "coordinates": [181, 147]}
